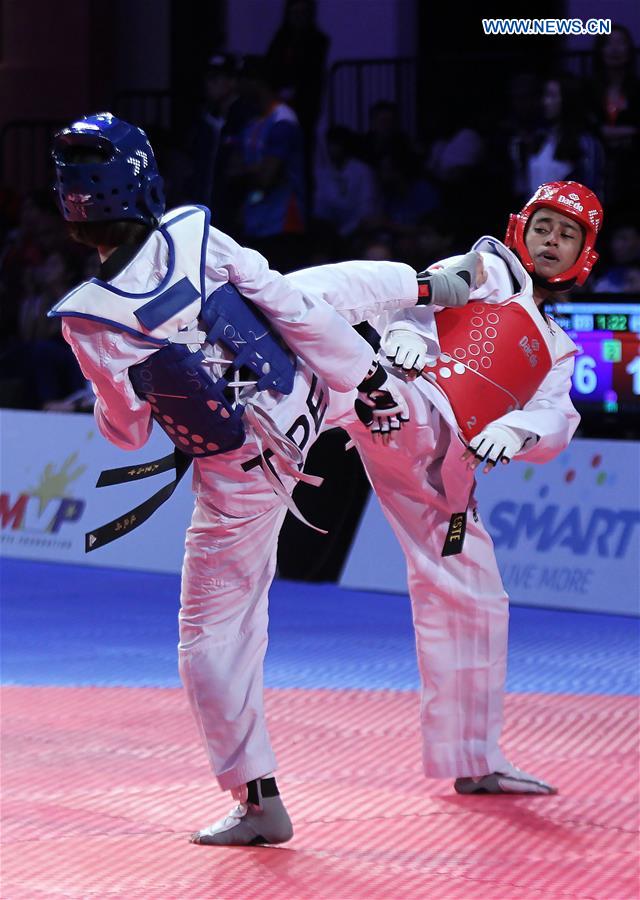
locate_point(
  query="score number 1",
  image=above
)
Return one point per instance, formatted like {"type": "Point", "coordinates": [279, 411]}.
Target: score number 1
{"type": "Point", "coordinates": [634, 370]}
{"type": "Point", "coordinates": [585, 377]}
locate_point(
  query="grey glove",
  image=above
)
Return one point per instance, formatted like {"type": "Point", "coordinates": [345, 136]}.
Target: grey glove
{"type": "Point", "coordinates": [451, 286]}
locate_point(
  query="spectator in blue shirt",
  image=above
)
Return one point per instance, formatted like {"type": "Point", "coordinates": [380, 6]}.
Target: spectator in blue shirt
{"type": "Point", "coordinates": [272, 171]}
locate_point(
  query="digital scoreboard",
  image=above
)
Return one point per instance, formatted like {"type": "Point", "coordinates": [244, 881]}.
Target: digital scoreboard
{"type": "Point", "coordinates": [606, 377]}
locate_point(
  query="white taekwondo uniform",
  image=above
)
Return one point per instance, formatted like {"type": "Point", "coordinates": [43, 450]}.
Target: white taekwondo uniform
{"type": "Point", "coordinates": [460, 608]}
{"type": "Point", "coordinates": [231, 543]}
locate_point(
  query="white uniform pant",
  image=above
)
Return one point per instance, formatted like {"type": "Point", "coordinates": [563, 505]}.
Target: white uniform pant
{"type": "Point", "coordinates": [228, 568]}
{"type": "Point", "coordinates": [460, 608]}
{"type": "Point", "coordinates": [229, 563]}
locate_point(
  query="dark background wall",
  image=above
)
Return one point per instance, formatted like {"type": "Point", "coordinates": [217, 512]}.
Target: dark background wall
{"type": "Point", "coordinates": [58, 60]}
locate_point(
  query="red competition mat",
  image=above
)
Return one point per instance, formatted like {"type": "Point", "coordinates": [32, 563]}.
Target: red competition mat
{"type": "Point", "coordinates": [102, 786]}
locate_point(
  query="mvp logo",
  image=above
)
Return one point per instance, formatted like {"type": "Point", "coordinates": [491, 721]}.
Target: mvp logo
{"type": "Point", "coordinates": [45, 507]}
{"type": "Point", "coordinates": [25, 512]}
{"type": "Point", "coordinates": [602, 532]}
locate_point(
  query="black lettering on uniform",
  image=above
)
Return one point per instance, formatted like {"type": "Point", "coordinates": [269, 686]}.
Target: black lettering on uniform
{"type": "Point", "coordinates": [300, 422]}
{"type": "Point", "coordinates": [257, 461]}
{"type": "Point", "coordinates": [317, 408]}
{"type": "Point", "coordinates": [263, 459]}
{"type": "Point", "coordinates": [314, 405]}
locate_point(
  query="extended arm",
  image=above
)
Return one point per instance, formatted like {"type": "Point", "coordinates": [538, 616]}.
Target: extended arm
{"type": "Point", "coordinates": [411, 335]}
{"type": "Point", "coordinates": [310, 326]}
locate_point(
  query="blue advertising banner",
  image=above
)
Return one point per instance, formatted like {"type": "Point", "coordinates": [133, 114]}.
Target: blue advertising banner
{"type": "Point", "coordinates": [567, 534]}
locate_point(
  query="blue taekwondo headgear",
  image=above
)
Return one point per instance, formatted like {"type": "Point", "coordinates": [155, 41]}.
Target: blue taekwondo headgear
{"type": "Point", "coordinates": [123, 182]}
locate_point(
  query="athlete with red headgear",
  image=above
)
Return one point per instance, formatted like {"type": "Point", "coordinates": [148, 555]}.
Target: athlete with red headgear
{"type": "Point", "coordinates": [495, 386]}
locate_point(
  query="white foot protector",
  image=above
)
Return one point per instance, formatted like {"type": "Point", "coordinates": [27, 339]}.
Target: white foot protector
{"type": "Point", "coordinates": [508, 781]}
{"type": "Point", "coordinates": [248, 824]}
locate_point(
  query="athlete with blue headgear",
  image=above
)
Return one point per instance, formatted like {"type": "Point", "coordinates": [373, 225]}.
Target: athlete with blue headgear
{"type": "Point", "coordinates": [242, 370]}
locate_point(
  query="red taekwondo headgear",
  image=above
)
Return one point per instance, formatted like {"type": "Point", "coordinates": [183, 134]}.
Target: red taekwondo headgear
{"type": "Point", "coordinates": [570, 199]}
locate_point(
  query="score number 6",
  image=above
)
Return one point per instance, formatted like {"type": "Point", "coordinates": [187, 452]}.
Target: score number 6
{"type": "Point", "coordinates": [585, 378]}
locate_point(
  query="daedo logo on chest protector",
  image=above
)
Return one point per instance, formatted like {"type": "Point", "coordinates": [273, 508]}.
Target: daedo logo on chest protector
{"type": "Point", "coordinates": [530, 348]}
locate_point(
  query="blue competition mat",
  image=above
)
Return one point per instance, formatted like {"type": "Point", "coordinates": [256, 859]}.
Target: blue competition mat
{"type": "Point", "coordinates": [77, 625]}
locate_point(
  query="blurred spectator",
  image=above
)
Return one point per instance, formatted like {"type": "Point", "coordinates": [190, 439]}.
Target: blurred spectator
{"type": "Point", "coordinates": [44, 284]}
{"type": "Point", "coordinates": [271, 174]}
{"type": "Point", "coordinates": [9, 217]}
{"type": "Point", "coordinates": [407, 197]}
{"type": "Point", "coordinates": [216, 138]}
{"type": "Point", "coordinates": [435, 240]}
{"type": "Point", "coordinates": [297, 57]}
{"type": "Point", "coordinates": [385, 134]}
{"type": "Point", "coordinates": [346, 195]}
{"type": "Point", "coordinates": [377, 250]}
{"type": "Point", "coordinates": [564, 149]}
{"type": "Point", "coordinates": [632, 281]}
{"type": "Point", "coordinates": [37, 366]}
{"type": "Point", "coordinates": [456, 156]}
{"type": "Point", "coordinates": [26, 246]}
{"type": "Point", "coordinates": [82, 400]}
{"type": "Point", "coordinates": [624, 259]}
{"type": "Point", "coordinates": [456, 163]}
{"type": "Point", "coordinates": [615, 90]}
{"type": "Point", "coordinates": [323, 245]}
{"type": "Point", "coordinates": [35, 271]}
{"type": "Point", "coordinates": [516, 135]}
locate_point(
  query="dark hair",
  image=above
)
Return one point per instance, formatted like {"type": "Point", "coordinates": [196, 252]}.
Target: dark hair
{"type": "Point", "coordinates": [257, 68]}
{"type": "Point", "coordinates": [384, 106]}
{"type": "Point", "coordinates": [344, 137]}
{"type": "Point", "coordinates": [311, 6]}
{"type": "Point", "coordinates": [109, 234]}
{"type": "Point", "coordinates": [573, 118]}
{"type": "Point", "coordinates": [222, 63]}
{"type": "Point", "coordinates": [599, 67]}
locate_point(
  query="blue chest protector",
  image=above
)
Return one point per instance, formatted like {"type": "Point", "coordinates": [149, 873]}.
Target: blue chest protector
{"type": "Point", "coordinates": [204, 346]}
{"type": "Point", "coordinates": [202, 414]}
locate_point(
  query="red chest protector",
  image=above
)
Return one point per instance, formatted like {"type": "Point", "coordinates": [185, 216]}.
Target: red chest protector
{"type": "Point", "coordinates": [492, 361]}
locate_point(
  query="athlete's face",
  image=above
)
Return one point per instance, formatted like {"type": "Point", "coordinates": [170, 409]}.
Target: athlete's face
{"type": "Point", "coordinates": [554, 242]}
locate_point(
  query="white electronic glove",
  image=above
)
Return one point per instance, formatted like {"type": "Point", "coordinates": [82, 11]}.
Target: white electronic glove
{"type": "Point", "coordinates": [407, 350]}
{"type": "Point", "coordinates": [380, 405]}
{"type": "Point", "coordinates": [496, 443]}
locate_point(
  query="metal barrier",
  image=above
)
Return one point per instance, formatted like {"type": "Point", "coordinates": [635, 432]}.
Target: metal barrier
{"type": "Point", "coordinates": [25, 144]}
{"type": "Point", "coordinates": [149, 109]}
{"type": "Point", "coordinates": [356, 84]}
